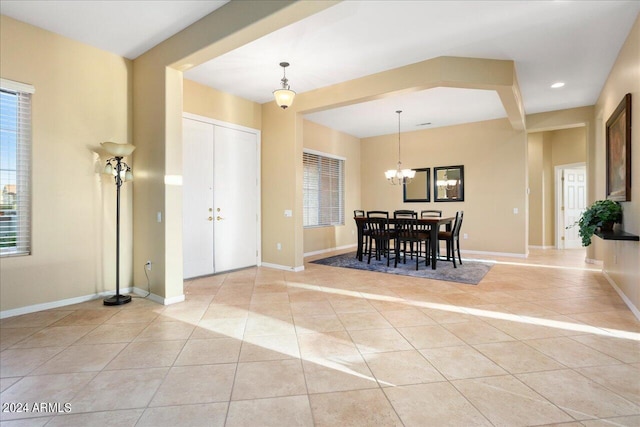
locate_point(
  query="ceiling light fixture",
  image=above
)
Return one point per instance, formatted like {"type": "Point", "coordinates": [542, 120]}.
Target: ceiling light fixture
{"type": "Point", "coordinates": [557, 85]}
{"type": "Point", "coordinates": [284, 96]}
{"type": "Point", "coordinates": [399, 175]}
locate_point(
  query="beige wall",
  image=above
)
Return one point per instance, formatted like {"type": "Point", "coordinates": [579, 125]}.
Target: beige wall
{"type": "Point", "coordinates": [209, 102]}
{"type": "Point", "coordinates": [568, 146]}
{"type": "Point", "coordinates": [83, 97]}
{"type": "Point", "coordinates": [494, 158]}
{"type": "Point", "coordinates": [621, 259]}
{"type": "Point", "coordinates": [536, 189]}
{"type": "Point", "coordinates": [326, 140]}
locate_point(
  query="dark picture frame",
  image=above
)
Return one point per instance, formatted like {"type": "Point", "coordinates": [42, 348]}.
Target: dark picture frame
{"type": "Point", "coordinates": [419, 189]}
{"type": "Point", "coordinates": [448, 183]}
{"type": "Point", "coordinates": [619, 152]}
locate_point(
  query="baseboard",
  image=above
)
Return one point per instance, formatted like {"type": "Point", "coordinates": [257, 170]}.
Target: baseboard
{"type": "Point", "coordinates": [282, 267]}
{"type": "Point", "coordinates": [324, 251]}
{"type": "Point", "coordinates": [77, 300]}
{"type": "Point", "coordinates": [626, 300]}
{"type": "Point", "coordinates": [542, 247]}
{"type": "Point", "coordinates": [597, 262]}
{"type": "Point", "coordinates": [505, 254]}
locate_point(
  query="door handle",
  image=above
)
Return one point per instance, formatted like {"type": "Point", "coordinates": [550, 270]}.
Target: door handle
{"type": "Point", "coordinates": [210, 218]}
{"type": "Point", "coordinates": [219, 218]}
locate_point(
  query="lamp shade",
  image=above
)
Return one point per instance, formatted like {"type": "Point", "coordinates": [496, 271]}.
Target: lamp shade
{"type": "Point", "coordinates": [118, 150]}
{"type": "Point", "coordinates": [284, 97]}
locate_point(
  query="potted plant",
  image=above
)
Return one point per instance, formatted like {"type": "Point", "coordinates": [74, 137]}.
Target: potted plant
{"type": "Point", "coordinates": [601, 214]}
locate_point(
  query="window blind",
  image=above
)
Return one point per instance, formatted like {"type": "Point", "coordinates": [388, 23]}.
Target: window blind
{"type": "Point", "coordinates": [15, 168]}
{"type": "Point", "coordinates": [323, 190]}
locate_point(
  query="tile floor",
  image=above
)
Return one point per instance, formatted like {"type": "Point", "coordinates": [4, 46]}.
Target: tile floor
{"type": "Point", "coordinates": [545, 341]}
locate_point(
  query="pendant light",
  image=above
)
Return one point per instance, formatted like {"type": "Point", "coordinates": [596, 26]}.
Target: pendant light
{"type": "Point", "coordinates": [399, 176]}
{"type": "Point", "coordinates": [284, 96]}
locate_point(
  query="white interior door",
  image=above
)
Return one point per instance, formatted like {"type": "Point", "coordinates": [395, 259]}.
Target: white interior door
{"type": "Point", "coordinates": [235, 199]}
{"type": "Point", "coordinates": [197, 198]}
{"type": "Point", "coordinates": [575, 196]}
{"type": "Point", "coordinates": [221, 201]}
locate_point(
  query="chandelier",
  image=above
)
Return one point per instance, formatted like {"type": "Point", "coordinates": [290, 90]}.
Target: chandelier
{"type": "Point", "coordinates": [399, 175]}
{"type": "Point", "coordinates": [284, 96]}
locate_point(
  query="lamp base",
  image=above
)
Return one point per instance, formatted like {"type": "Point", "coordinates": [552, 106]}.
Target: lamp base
{"type": "Point", "coordinates": [117, 300]}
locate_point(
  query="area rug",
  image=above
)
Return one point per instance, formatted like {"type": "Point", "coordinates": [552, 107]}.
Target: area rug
{"type": "Point", "coordinates": [470, 272]}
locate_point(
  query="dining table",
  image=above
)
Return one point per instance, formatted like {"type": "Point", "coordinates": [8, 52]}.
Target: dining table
{"type": "Point", "coordinates": [432, 223]}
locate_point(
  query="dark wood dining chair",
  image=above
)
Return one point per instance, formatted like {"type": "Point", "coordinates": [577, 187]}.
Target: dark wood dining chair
{"type": "Point", "coordinates": [430, 212]}
{"type": "Point", "coordinates": [409, 231]}
{"type": "Point", "coordinates": [453, 239]}
{"type": "Point", "coordinates": [405, 213]}
{"type": "Point", "coordinates": [363, 245]}
{"type": "Point", "coordinates": [381, 235]}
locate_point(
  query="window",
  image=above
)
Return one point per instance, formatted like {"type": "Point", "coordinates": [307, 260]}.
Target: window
{"type": "Point", "coordinates": [323, 190]}
{"type": "Point", "coordinates": [15, 168]}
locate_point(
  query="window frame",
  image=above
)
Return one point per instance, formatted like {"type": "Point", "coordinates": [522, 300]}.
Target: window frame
{"type": "Point", "coordinates": [22, 168]}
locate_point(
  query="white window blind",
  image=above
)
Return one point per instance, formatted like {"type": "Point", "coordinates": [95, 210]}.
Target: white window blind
{"type": "Point", "coordinates": [323, 190]}
{"type": "Point", "coordinates": [15, 168]}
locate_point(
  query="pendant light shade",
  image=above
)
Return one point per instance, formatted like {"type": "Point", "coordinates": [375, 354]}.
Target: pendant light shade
{"type": "Point", "coordinates": [284, 96]}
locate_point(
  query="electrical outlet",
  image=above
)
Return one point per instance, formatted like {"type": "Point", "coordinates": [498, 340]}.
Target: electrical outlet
{"type": "Point", "coordinates": [148, 265]}
{"type": "Point", "coordinates": [279, 246]}
{"type": "Point", "coordinates": [465, 236]}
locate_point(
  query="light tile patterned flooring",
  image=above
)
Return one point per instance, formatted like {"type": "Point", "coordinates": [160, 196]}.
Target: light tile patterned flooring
{"type": "Point", "coordinates": [545, 341]}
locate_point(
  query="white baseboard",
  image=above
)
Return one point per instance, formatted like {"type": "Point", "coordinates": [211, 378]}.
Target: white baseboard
{"type": "Point", "coordinates": [542, 247]}
{"type": "Point", "coordinates": [597, 262]}
{"type": "Point", "coordinates": [282, 267]}
{"type": "Point", "coordinates": [324, 251]}
{"type": "Point", "coordinates": [53, 304]}
{"type": "Point", "coordinates": [626, 300]}
{"type": "Point", "coordinates": [169, 301]}
{"type": "Point", "coordinates": [506, 254]}
{"type": "Point", "coordinates": [77, 300]}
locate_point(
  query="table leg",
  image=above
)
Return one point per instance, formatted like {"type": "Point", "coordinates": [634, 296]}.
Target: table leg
{"type": "Point", "coordinates": [360, 227]}
{"type": "Point", "coordinates": [434, 246]}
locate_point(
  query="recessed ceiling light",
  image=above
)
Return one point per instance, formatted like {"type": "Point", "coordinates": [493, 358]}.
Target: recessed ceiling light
{"type": "Point", "coordinates": [557, 85]}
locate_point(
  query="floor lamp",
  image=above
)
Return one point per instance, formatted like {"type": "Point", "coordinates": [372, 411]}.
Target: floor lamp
{"type": "Point", "coordinates": [121, 172]}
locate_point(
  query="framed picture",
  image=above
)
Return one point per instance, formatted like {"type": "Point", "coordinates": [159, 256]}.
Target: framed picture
{"type": "Point", "coordinates": [448, 184]}
{"type": "Point", "coordinates": [418, 189]}
{"type": "Point", "coordinates": [619, 152]}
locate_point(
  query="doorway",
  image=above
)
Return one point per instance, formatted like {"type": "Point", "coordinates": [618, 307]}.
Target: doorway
{"type": "Point", "coordinates": [571, 200]}
{"type": "Point", "coordinates": [221, 196]}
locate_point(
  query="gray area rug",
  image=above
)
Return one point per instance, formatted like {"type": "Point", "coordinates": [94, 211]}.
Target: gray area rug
{"type": "Point", "coordinates": [470, 272]}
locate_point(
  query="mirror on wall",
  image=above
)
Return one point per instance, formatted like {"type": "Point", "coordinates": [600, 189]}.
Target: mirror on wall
{"type": "Point", "coordinates": [448, 184]}
{"type": "Point", "coordinates": [418, 190]}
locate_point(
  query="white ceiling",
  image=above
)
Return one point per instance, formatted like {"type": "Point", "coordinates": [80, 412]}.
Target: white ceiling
{"type": "Point", "coordinates": [126, 28]}
{"type": "Point", "coordinates": [549, 41]}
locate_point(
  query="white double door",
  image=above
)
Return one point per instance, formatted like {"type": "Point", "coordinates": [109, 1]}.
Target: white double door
{"type": "Point", "coordinates": [220, 198]}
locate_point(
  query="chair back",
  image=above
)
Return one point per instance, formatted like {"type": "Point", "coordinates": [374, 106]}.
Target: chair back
{"type": "Point", "coordinates": [377, 214]}
{"type": "Point", "coordinates": [430, 213]}
{"type": "Point", "coordinates": [378, 224]}
{"type": "Point", "coordinates": [358, 213]}
{"type": "Point", "coordinates": [457, 225]}
{"type": "Point", "coordinates": [405, 214]}
{"type": "Point", "coordinates": [407, 228]}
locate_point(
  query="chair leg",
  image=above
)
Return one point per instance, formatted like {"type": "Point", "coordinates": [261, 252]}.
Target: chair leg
{"type": "Point", "coordinates": [396, 251]}
{"type": "Point", "coordinates": [459, 257]}
{"type": "Point", "coordinates": [453, 254]}
{"type": "Point", "coordinates": [388, 251]}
